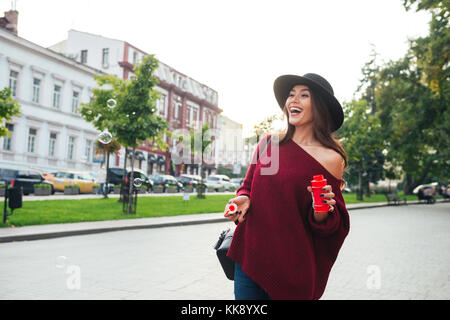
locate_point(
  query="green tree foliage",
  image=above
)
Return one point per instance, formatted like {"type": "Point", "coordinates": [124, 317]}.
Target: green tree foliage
{"type": "Point", "coordinates": [360, 136]}
{"type": "Point", "coordinates": [133, 119]}
{"type": "Point", "coordinates": [412, 98]}
{"type": "Point", "coordinates": [206, 138]}
{"type": "Point", "coordinates": [8, 109]}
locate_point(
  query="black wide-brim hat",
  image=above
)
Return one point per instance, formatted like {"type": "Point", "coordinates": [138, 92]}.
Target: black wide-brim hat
{"type": "Point", "coordinates": [283, 85]}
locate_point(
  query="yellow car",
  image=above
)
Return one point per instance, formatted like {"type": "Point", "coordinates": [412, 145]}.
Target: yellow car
{"type": "Point", "coordinates": [63, 178]}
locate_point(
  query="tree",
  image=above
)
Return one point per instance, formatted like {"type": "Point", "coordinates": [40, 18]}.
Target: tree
{"type": "Point", "coordinates": [107, 149]}
{"type": "Point", "coordinates": [413, 98]}
{"type": "Point", "coordinates": [361, 139]}
{"type": "Point", "coordinates": [133, 118]}
{"type": "Point", "coordinates": [200, 149]}
{"type": "Point", "coordinates": [265, 127]}
{"type": "Point", "coordinates": [8, 109]}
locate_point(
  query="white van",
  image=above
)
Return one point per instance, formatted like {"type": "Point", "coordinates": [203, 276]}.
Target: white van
{"type": "Point", "coordinates": [218, 182]}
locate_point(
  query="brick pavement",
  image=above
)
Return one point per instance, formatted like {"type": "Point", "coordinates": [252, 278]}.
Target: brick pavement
{"type": "Point", "coordinates": [391, 253]}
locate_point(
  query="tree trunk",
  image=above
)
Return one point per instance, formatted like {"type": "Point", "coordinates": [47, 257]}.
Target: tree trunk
{"type": "Point", "coordinates": [201, 190]}
{"type": "Point", "coordinates": [367, 183]}
{"type": "Point", "coordinates": [359, 192]}
{"type": "Point", "coordinates": [124, 175]}
{"type": "Point", "coordinates": [131, 184]}
{"type": "Point", "coordinates": [105, 187]}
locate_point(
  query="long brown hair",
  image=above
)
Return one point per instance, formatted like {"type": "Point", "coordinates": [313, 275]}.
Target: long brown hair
{"type": "Point", "coordinates": [322, 128]}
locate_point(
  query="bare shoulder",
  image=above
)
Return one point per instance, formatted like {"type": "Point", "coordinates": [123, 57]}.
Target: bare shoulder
{"type": "Point", "coordinates": [332, 161]}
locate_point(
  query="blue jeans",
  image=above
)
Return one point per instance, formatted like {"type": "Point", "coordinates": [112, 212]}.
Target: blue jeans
{"type": "Point", "coordinates": [245, 288]}
{"type": "Point", "coordinates": [102, 189]}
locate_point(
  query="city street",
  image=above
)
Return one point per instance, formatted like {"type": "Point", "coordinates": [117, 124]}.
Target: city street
{"type": "Point", "coordinates": [395, 252]}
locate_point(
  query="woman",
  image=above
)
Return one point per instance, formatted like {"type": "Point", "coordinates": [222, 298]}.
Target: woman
{"type": "Point", "coordinates": [283, 249]}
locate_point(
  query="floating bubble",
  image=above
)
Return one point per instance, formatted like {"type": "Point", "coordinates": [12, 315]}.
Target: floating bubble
{"type": "Point", "coordinates": [60, 261]}
{"type": "Point", "coordinates": [111, 103]}
{"type": "Point", "coordinates": [104, 137]}
{"type": "Point", "coordinates": [137, 182]}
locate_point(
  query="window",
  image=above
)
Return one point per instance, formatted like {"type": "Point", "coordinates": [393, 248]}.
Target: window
{"type": "Point", "coordinates": [195, 121]}
{"type": "Point", "coordinates": [188, 115]}
{"type": "Point", "coordinates": [7, 139]}
{"type": "Point", "coordinates": [88, 150]}
{"type": "Point", "coordinates": [177, 107]}
{"type": "Point", "coordinates": [36, 89]}
{"type": "Point", "coordinates": [84, 56]}
{"type": "Point", "coordinates": [71, 148]}
{"type": "Point", "coordinates": [135, 57]}
{"type": "Point", "coordinates": [13, 76]}
{"type": "Point", "coordinates": [105, 57]}
{"type": "Point", "coordinates": [52, 145]}
{"type": "Point", "coordinates": [31, 140]}
{"type": "Point", "coordinates": [75, 102]}
{"type": "Point", "coordinates": [56, 96]}
{"type": "Point", "coordinates": [161, 105]}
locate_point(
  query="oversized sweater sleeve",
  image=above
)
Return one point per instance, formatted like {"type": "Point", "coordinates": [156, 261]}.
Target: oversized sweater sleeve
{"type": "Point", "coordinates": [338, 219]}
{"type": "Point", "coordinates": [245, 188]}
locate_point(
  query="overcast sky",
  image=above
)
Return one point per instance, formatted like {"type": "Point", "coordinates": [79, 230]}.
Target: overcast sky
{"type": "Point", "coordinates": [239, 47]}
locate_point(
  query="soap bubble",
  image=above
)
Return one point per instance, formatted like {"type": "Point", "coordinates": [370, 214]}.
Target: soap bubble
{"type": "Point", "coordinates": [111, 103]}
{"type": "Point", "coordinates": [104, 137]}
{"type": "Point", "coordinates": [137, 182]}
{"type": "Point", "coordinates": [60, 261]}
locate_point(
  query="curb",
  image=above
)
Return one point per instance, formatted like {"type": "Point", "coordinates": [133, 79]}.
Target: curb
{"type": "Point", "coordinates": [152, 225]}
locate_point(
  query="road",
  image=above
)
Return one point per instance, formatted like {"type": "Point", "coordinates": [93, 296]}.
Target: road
{"type": "Point", "coordinates": [391, 253]}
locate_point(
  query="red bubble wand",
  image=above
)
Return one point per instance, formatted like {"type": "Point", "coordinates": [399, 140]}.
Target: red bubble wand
{"type": "Point", "coordinates": [232, 208]}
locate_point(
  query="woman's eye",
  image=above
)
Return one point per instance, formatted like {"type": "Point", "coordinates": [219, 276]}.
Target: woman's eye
{"type": "Point", "coordinates": [305, 95]}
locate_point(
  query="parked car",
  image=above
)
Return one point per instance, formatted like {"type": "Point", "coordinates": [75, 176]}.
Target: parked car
{"type": "Point", "coordinates": [237, 182]}
{"type": "Point", "coordinates": [218, 181]}
{"type": "Point", "coordinates": [115, 176]}
{"type": "Point", "coordinates": [189, 180]}
{"type": "Point", "coordinates": [67, 177]}
{"type": "Point", "coordinates": [139, 174]}
{"type": "Point", "coordinates": [432, 185]}
{"type": "Point", "coordinates": [48, 175]}
{"type": "Point", "coordinates": [24, 178]}
{"type": "Point", "coordinates": [167, 181]}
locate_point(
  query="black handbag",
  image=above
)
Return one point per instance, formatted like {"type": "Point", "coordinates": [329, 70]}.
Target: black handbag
{"type": "Point", "coordinates": [222, 246]}
{"type": "Point", "coordinates": [224, 242]}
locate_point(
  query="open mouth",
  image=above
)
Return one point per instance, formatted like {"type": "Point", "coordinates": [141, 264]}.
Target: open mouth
{"type": "Point", "coordinates": [295, 111]}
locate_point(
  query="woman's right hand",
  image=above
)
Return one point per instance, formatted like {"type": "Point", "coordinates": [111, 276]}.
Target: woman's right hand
{"type": "Point", "coordinates": [243, 203]}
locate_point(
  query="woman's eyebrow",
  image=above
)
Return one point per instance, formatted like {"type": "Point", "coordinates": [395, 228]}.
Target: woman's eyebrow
{"type": "Point", "coordinates": [301, 90]}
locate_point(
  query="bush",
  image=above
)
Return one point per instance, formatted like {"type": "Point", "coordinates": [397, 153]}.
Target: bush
{"type": "Point", "coordinates": [72, 186]}
{"type": "Point", "coordinates": [43, 186]}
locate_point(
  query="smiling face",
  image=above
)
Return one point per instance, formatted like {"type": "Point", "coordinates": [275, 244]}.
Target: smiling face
{"type": "Point", "coordinates": [298, 106]}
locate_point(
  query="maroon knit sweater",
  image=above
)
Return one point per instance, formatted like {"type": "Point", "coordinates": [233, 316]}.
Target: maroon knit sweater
{"type": "Point", "coordinates": [279, 244]}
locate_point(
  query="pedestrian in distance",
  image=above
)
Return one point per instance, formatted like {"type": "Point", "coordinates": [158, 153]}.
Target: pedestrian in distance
{"type": "Point", "coordinates": [101, 180]}
{"type": "Point", "coordinates": [282, 247]}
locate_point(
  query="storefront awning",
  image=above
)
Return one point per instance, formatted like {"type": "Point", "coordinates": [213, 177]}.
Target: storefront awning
{"type": "Point", "coordinates": [152, 158]}
{"type": "Point", "coordinates": [138, 155]}
{"type": "Point", "coordinates": [161, 160]}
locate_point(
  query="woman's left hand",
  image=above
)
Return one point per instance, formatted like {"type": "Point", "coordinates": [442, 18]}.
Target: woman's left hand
{"type": "Point", "coordinates": [327, 195]}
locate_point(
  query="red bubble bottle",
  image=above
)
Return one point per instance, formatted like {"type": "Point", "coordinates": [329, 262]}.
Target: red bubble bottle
{"type": "Point", "coordinates": [317, 184]}
{"type": "Point", "coordinates": [231, 209]}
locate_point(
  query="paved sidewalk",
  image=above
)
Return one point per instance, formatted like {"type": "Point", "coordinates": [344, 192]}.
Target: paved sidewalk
{"type": "Point", "coordinates": [80, 228]}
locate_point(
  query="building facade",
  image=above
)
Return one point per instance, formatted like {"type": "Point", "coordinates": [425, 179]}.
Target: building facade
{"type": "Point", "coordinates": [185, 103]}
{"type": "Point", "coordinates": [49, 133]}
{"type": "Point", "coordinates": [231, 145]}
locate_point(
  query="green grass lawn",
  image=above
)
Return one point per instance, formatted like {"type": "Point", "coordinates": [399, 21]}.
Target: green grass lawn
{"type": "Point", "coordinates": [66, 211]}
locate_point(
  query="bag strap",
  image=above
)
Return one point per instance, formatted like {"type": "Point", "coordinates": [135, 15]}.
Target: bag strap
{"type": "Point", "coordinates": [265, 146]}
